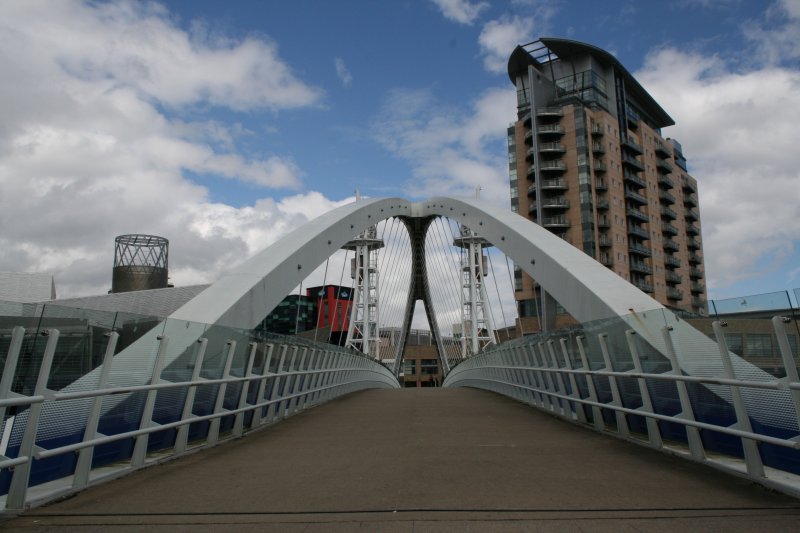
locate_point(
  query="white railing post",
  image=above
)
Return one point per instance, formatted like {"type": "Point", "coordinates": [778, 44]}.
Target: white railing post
{"type": "Point", "coordinates": [146, 421]}
{"type": "Point", "coordinates": [597, 413]}
{"type": "Point", "coordinates": [653, 431]}
{"type": "Point", "coordinates": [84, 464]}
{"type": "Point", "coordinates": [18, 490]}
{"type": "Point", "coordinates": [752, 456]}
{"type": "Point", "coordinates": [616, 398]}
{"type": "Point", "coordinates": [238, 424]}
{"type": "Point", "coordinates": [297, 383]}
{"type": "Point", "coordinates": [573, 383]}
{"type": "Point", "coordinates": [219, 403]}
{"type": "Point", "coordinates": [273, 410]}
{"type": "Point", "coordinates": [6, 382]}
{"type": "Point", "coordinates": [566, 409]}
{"type": "Point", "coordinates": [262, 384]}
{"type": "Point", "coordinates": [182, 436]}
{"type": "Point", "coordinates": [550, 382]}
{"type": "Point", "coordinates": [687, 411]}
{"type": "Point", "coordinates": [788, 362]}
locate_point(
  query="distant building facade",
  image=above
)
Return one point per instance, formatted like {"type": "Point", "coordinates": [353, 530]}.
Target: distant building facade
{"type": "Point", "coordinates": [588, 162]}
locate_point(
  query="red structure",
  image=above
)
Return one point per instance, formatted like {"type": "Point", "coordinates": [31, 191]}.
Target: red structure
{"type": "Point", "coordinates": [333, 308]}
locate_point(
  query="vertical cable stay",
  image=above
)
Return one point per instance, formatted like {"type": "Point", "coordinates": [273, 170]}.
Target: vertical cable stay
{"type": "Point", "coordinates": [339, 295]}
{"type": "Point", "coordinates": [324, 282]}
{"type": "Point", "coordinates": [440, 258]}
{"type": "Point", "coordinates": [499, 300]}
{"type": "Point", "coordinates": [513, 290]}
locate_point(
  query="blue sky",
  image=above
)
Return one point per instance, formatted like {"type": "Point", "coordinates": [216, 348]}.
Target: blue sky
{"type": "Point", "coordinates": [222, 125]}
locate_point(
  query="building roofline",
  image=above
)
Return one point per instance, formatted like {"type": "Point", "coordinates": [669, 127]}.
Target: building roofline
{"type": "Point", "coordinates": [520, 59]}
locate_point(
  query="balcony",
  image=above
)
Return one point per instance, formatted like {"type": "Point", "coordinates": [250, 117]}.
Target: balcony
{"type": "Point", "coordinates": [638, 249]}
{"type": "Point", "coordinates": [549, 129]}
{"type": "Point", "coordinates": [631, 144]}
{"type": "Point", "coordinates": [603, 222]}
{"type": "Point", "coordinates": [552, 166]}
{"type": "Point", "coordinates": [640, 266]}
{"type": "Point", "coordinates": [672, 261]}
{"type": "Point", "coordinates": [666, 197]}
{"type": "Point", "coordinates": [555, 222]}
{"type": "Point", "coordinates": [550, 112]}
{"type": "Point", "coordinates": [672, 277]}
{"type": "Point", "coordinates": [526, 120]}
{"type": "Point", "coordinates": [551, 148]}
{"type": "Point", "coordinates": [632, 162]}
{"type": "Point", "coordinates": [630, 194]}
{"type": "Point", "coordinates": [662, 150]}
{"type": "Point", "coordinates": [604, 242]}
{"type": "Point", "coordinates": [531, 172]}
{"type": "Point", "coordinates": [556, 202]}
{"type": "Point", "coordinates": [530, 155]}
{"type": "Point", "coordinates": [633, 178]}
{"type": "Point", "coordinates": [695, 259]}
{"type": "Point", "coordinates": [691, 229]}
{"type": "Point", "coordinates": [528, 137]}
{"type": "Point", "coordinates": [695, 273]}
{"type": "Point", "coordinates": [532, 190]}
{"type": "Point", "coordinates": [699, 303]}
{"type": "Point", "coordinates": [635, 213]}
{"type": "Point", "coordinates": [693, 244]}
{"type": "Point", "coordinates": [697, 288]}
{"type": "Point", "coordinates": [598, 166]}
{"type": "Point", "coordinates": [665, 181]}
{"type": "Point", "coordinates": [687, 185]}
{"type": "Point", "coordinates": [691, 214]}
{"type": "Point", "coordinates": [597, 130]}
{"type": "Point", "coordinates": [666, 212]}
{"type": "Point", "coordinates": [690, 200]}
{"type": "Point", "coordinates": [674, 294]}
{"type": "Point", "coordinates": [557, 184]}
{"type": "Point", "coordinates": [605, 259]}
{"type": "Point", "coordinates": [668, 229]}
{"type": "Point", "coordinates": [600, 184]}
{"type": "Point", "coordinates": [601, 204]}
{"type": "Point", "coordinates": [643, 286]}
{"type": "Point", "coordinates": [664, 167]}
{"type": "Point", "coordinates": [671, 245]}
{"type": "Point", "coordinates": [598, 148]}
{"type": "Point", "coordinates": [639, 231]}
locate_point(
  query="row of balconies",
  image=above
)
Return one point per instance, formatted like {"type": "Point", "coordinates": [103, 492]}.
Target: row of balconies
{"type": "Point", "coordinates": [638, 249]}
{"type": "Point", "coordinates": [640, 266]}
{"type": "Point", "coordinates": [634, 196]}
{"type": "Point", "coordinates": [668, 229]}
{"type": "Point", "coordinates": [631, 144]}
{"type": "Point", "coordinates": [639, 231]}
{"type": "Point", "coordinates": [635, 213]}
{"type": "Point", "coordinates": [634, 178]}
{"type": "Point", "coordinates": [671, 261]}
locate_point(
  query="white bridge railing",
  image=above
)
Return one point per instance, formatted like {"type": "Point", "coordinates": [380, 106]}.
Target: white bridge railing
{"type": "Point", "coordinates": [45, 453]}
{"type": "Point", "coordinates": [606, 378]}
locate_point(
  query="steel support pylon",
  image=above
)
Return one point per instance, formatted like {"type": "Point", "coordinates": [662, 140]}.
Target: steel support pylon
{"type": "Point", "coordinates": [477, 326]}
{"type": "Point", "coordinates": [363, 333]}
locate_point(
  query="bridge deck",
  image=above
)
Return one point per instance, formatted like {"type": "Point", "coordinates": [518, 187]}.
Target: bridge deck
{"type": "Point", "coordinates": [423, 459]}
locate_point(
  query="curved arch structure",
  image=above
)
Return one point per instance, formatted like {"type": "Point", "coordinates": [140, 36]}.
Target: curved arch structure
{"type": "Point", "coordinates": [585, 288]}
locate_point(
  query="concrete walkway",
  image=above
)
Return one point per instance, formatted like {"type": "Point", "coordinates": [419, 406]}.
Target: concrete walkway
{"type": "Point", "coordinates": [422, 460]}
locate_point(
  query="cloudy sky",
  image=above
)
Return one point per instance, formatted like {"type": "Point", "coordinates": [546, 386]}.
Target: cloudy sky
{"type": "Point", "coordinates": [222, 125]}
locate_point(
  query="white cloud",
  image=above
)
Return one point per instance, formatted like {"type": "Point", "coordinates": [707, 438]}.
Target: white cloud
{"type": "Point", "coordinates": [499, 37]}
{"type": "Point", "coordinates": [452, 151]}
{"type": "Point", "coordinates": [777, 37]}
{"type": "Point", "coordinates": [343, 73]}
{"type": "Point", "coordinates": [92, 143]}
{"type": "Point", "coordinates": [738, 130]}
{"type": "Point", "coordinates": [461, 11]}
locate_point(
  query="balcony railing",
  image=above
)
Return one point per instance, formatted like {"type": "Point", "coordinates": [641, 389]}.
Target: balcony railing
{"type": "Point", "coordinates": [693, 244]}
{"type": "Point", "coordinates": [552, 166]}
{"type": "Point", "coordinates": [630, 194]}
{"type": "Point", "coordinates": [556, 202]}
{"type": "Point", "coordinates": [695, 273]}
{"type": "Point", "coordinates": [555, 222]}
{"type": "Point", "coordinates": [697, 288]}
{"type": "Point", "coordinates": [601, 203]}
{"type": "Point", "coordinates": [662, 150]}
{"type": "Point", "coordinates": [666, 212]}
{"type": "Point", "coordinates": [635, 213]}
{"type": "Point", "coordinates": [554, 184]}
{"type": "Point", "coordinates": [664, 166]}
{"type": "Point", "coordinates": [532, 190]}
{"type": "Point", "coordinates": [600, 184]}
{"type": "Point", "coordinates": [691, 214]}
{"type": "Point", "coordinates": [671, 245]}
{"type": "Point", "coordinates": [644, 286]}
{"type": "Point", "coordinates": [691, 229]}
{"type": "Point", "coordinates": [687, 185]}
{"type": "Point", "coordinates": [699, 303]}
{"type": "Point", "coordinates": [666, 197]}
{"type": "Point", "coordinates": [639, 231]}
{"type": "Point", "coordinates": [668, 229]}
{"type": "Point", "coordinates": [597, 130]}
{"type": "Point", "coordinates": [632, 162]}
{"type": "Point", "coordinates": [606, 260]}
{"type": "Point", "coordinates": [633, 178]}
{"type": "Point", "coordinates": [640, 266]}
{"type": "Point", "coordinates": [672, 277]}
{"type": "Point", "coordinates": [598, 148]}
{"type": "Point", "coordinates": [640, 250]}
{"type": "Point", "coordinates": [631, 144]}
{"type": "Point", "coordinates": [690, 200]}
{"type": "Point", "coordinates": [603, 222]}
{"type": "Point", "coordinates": [674, 294]}
{"type": "Point", "coordinates": [695, 259]}
{"type": "Point", "coordinates": [672, 261]}
{"type": "Point", "coordinates": [550, 129]}
{"type": "Point", "coordinates": [550, 112]}
{"type": "Point", "coordinates": [552, 147]}
{"type": "Point", "coordinates": [604, 242]}
{"type": "Point", "coordinates": [665, 181]}
{"type": "Point", "coordinates": [598, 166]}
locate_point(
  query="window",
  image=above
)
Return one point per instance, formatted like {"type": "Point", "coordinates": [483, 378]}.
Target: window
{"type": "Point", "coordinates": [429, 367]}
{"type": "Point", "coordinates": [409, 367]}
{"type": "Point", "coordinates": [734, 341]}
{"type": "Point", "coordinates": [758, 344]}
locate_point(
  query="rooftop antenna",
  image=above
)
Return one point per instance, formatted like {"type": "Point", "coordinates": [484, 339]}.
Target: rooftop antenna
{"type": "Point", "coordinates": [358, 195]}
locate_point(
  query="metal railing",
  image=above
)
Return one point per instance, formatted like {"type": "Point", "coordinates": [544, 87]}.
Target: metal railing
{"type": "Point", "coordinates": [607, 377]}
{"type": "Point", "coordinates": [226, 384]}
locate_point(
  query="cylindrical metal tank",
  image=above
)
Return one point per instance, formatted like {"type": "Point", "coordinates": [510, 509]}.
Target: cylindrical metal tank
{"type": "Point", "coordinates": [140, 263]}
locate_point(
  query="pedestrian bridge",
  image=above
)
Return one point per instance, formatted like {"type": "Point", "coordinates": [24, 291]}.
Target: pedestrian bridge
{"type": "Point", "coordinates": [168, 387]}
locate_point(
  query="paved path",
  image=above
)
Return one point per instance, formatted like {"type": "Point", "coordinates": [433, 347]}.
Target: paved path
{"type": "Point", "coordinates": [422, 460]}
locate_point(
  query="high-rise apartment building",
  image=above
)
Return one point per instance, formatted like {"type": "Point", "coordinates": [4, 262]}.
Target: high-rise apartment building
{"type": "Point", "coordinates": [588, 162]}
